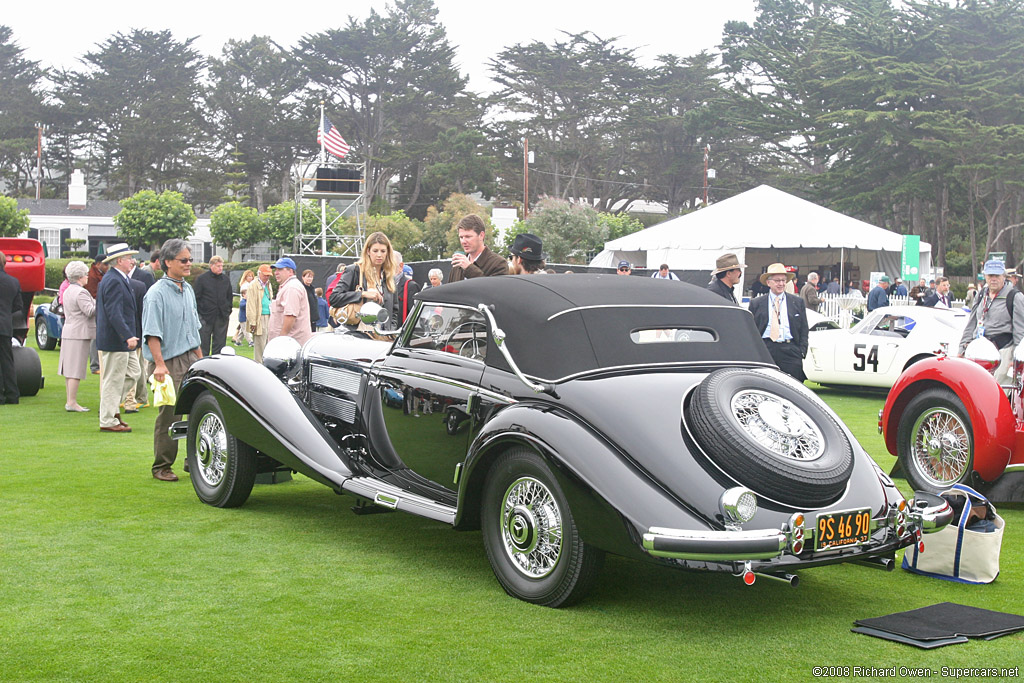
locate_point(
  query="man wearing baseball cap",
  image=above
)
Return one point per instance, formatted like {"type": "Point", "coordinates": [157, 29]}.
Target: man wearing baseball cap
{"type": "Point", "coordinates": [289, 312]}
{"type": "Point", "coordinates": [997, 315]}
{"type": "Point", "coordinates": [726, 275]}
{"type": "Point", "coordinates": [879, 296]}
{"type": "Point", "coordinates": [624, 268]}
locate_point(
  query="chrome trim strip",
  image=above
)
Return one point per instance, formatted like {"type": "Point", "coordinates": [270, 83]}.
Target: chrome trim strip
{"type": "Point", "coordinates": [474, 388]}
{"type": "Point", "coordinates": [636, 306]}
{"type": "Point", "coordinates": [382, 493]}
{"type": "Point", "coordinates": [659, 366]}
{"type": "Point", "coordinates": [723, 546]}
{"type": "Point", "coordinates": [1016, 467]}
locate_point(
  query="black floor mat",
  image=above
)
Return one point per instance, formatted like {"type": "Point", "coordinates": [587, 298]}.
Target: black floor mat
{"type": "Point", "coordinates": [946, 621]}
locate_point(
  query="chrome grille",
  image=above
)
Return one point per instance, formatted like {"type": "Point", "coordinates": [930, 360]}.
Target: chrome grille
{"type": "Point", "coordinates": [345, 381]}
{"type": "Point", "coordinates": [339, 408]}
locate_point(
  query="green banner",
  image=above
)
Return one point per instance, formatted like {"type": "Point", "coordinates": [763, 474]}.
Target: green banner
{"type": "Point", "coordinates": [910, 262]}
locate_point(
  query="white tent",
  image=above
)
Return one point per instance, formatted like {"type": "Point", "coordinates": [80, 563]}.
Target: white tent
{"type": "Point", "coordinates": [762, 226]}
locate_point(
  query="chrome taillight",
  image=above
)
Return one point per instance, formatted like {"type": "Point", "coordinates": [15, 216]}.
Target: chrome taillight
{"type": "Point", "coordinates": [984, 353]}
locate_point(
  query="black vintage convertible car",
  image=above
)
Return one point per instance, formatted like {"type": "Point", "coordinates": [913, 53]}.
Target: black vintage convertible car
{"type": "Point", "coordinates": [566, 417]}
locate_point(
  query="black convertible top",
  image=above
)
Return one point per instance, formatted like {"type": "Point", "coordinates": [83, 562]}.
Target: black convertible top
{"type": "Point", "coordinates": [561, 325]}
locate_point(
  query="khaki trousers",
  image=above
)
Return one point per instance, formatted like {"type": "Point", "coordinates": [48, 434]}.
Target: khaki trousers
{"type": "Point", "coordinates": [259, 341]}
{"type": "Point", "coordinates": [119, 371]}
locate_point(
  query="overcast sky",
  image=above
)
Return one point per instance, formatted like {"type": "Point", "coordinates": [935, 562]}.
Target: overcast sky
{"type": "Point", "coordinates": [57, 33]}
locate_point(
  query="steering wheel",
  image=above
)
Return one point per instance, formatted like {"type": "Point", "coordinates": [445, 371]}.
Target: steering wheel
{"type": "Point", "coordinates": [476, 346]}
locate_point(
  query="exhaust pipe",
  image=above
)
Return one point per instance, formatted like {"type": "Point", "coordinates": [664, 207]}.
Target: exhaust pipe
{"type": "Point", "coordinates": [884, 563]}
{"type": "Point", "coordinates": [792, 579]}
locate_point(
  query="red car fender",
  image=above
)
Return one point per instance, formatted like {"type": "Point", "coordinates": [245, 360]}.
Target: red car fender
{"type": "Point", "coordinates": [992, 419]}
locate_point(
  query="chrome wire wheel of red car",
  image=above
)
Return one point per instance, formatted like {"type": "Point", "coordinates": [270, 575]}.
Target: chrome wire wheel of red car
{"type": "Point", "coordinates": [769, 436]}
{"type": "Point", "coordinates": [529, 534]}
{"type": "Point", "coordinates": [934, 441]}
{"type": "Point", "coordinates": [222, 468]}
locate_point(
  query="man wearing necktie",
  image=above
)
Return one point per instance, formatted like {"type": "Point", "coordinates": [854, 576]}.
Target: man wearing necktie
{"type": "Point", "coordinates": [940, 297]}
{"type": "Point", "coordinates": [782, 320]}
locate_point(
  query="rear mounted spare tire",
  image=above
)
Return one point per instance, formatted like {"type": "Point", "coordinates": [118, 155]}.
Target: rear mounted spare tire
{"type": "Point", "coordinates": [770, 437]}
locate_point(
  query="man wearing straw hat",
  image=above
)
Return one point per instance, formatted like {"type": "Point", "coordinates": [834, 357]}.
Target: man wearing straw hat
{"type": "Point", "coordinates": [117, 336]}
{"type": "Point", "coordinates": [782, 320]}
{"type": "Point", "coordinates": [726, 275]}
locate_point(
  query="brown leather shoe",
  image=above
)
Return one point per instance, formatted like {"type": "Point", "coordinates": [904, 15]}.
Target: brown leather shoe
{"type": "Point", "coordinates": [117, 428]}
{"type": "Point", "coordinates": [165, 475]}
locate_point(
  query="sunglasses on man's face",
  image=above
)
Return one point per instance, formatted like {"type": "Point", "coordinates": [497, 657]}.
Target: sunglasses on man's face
{"type": "Point", "coordinates": [184, 260]}
{"type": "Point", "coordinates": [623, 270]}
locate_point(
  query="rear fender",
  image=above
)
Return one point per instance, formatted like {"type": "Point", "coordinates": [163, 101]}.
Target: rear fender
{"type": "Point", "coordinates": [611, 500]}
{"type": "Point", "coordinates": [260, 410]}
{"type": "Point", "coordinates": [992, 420]}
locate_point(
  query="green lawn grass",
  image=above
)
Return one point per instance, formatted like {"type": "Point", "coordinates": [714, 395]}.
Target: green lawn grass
{"type": "Point", "coordinates": [108, 574]}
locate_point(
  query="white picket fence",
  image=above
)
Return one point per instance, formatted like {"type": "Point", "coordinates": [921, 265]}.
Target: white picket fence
{"type": "Point", "coordinates": [846, 309]}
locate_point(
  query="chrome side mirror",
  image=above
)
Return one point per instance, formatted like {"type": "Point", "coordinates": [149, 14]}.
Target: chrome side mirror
{"type": "Point", "coordinates": [373, 313]}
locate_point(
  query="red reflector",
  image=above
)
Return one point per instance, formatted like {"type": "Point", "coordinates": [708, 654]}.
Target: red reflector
{"type": "Point", "coordinates": [798, 547]}
{"type": "Point", "coordinates": [920, 547]}
{"type": "Point", "coordinates": [901, 530]}
{"type": "Point", "coordinates": [748, 578]}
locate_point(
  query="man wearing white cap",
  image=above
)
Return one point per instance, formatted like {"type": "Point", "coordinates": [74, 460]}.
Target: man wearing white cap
{"type": "Point", "coordinates": [116, 336]}
{"type": "Point", "coordinates": [997, 315]}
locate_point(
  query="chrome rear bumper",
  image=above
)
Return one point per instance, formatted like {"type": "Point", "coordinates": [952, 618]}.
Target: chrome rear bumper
{"type": "Point", "coordinates": [720, 546]}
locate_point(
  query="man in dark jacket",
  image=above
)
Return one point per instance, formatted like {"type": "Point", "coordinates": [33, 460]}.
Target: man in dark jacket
{"type": "Point", "coordinates": [117, 336]}
{"type": "Point", "coordinates": [726, 275]}
{"type": "Point", "coordinates": [475, 260]}
{"type": "Point", "coordinates": [878, 296]}
{"type": "Point", "coordinates": [10, 307]}
{"type": "Point", "coordinates": [214, 299]}
{"type": "Point", "coordinates": [781, 319]}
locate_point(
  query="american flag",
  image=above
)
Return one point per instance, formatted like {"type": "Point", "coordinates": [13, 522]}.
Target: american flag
{"type": "Point", "coordinates": [331, 140]}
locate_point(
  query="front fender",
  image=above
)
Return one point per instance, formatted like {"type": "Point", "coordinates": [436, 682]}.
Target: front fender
{"type": "Point", "coordinates": [612, 502]}
{"type": "Point", "coordinates": [260, 410]}
{"type": "Point", "coordinates": [992, 420]}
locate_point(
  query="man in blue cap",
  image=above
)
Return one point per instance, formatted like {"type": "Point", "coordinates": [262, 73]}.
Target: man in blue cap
{"type": "Point", "coordinates": [879, 296]}
{"type": "Point", "coordinates": [995, 317]}
{"type": "Point", "coordinates": [289, 312]}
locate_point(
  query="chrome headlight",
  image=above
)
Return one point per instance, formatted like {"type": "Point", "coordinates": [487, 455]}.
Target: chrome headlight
{"type": "Point", "coordinates": [281, 355]}
{"type": "Point", "coordinates": [737, 505]}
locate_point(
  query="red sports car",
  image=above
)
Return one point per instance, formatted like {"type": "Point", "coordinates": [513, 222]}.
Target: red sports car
{"type": "Point", "coordinates": [949, 422]}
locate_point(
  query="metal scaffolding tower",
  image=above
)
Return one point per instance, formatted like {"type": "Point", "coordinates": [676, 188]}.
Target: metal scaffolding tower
{"type": "Point", "coordinates": [320, 180]}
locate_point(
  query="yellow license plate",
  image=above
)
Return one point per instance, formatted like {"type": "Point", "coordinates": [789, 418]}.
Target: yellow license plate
{"type": "Point", "coordinates": [842, 529]}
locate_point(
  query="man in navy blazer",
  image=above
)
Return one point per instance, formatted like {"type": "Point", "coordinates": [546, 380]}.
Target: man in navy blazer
{"type": "Point", "coordinates": [141, 280]}
{"type": "Point", "coordinates": [117, 336]}
{"type": "Point", "coordinates": [786, 339]}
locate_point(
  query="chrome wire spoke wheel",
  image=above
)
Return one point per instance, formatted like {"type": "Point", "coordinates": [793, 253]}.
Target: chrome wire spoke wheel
{"type": "Point", "coordinates": [531, 527]}
{"type": "Point", "coordinates": [211, 449]}
{"type": "Point", "coordinates": [941, 447]}
{"type": "Point", "coordinates": [778, 425]}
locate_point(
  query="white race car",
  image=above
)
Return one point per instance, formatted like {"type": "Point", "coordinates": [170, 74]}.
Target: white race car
{"type": "Point", "coordinates": [875, 351]}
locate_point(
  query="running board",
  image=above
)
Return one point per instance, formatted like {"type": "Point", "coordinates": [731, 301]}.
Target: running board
{"type": "Point", "coordinates": [394, 498]}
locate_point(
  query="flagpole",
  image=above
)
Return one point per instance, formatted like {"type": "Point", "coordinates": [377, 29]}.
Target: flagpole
{"type": "Point", "coordinates": [323, 202]}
